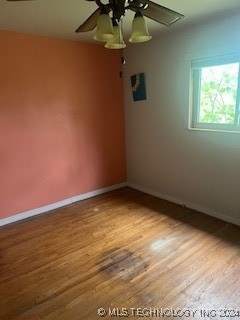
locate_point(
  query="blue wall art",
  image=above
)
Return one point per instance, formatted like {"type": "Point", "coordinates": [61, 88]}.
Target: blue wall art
{"type": "Point", "coordinates": [138, 87]}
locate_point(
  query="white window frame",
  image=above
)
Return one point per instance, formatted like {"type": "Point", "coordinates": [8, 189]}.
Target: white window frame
{"type": "Point", "coordinates": [195, 87]}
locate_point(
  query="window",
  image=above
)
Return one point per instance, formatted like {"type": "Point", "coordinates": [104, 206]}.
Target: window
{"type": "Point", "coordinates": [216, 93]}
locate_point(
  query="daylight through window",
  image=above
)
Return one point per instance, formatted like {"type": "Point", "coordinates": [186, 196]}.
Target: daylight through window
{"type": "Point", "coordinates": [216, 90]}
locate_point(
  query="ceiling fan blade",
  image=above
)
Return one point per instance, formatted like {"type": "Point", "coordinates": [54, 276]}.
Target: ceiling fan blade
{"type": "Point", "coordinates": [159, 13]}
{"type": "Point", "coordinates": [90, 23]}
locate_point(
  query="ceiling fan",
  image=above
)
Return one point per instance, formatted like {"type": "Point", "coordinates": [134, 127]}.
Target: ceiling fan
{"type": "Point", "coordinates": [118, 8]}
{"type": "Point", "coordinates": [107, 18]}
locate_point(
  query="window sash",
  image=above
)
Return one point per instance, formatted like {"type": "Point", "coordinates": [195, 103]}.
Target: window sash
{"type": "Point", "coordinates": [197, 66]}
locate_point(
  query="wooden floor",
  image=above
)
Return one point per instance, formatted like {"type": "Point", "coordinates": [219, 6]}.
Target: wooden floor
{"type": "Point", "coordinates": [124, 249]}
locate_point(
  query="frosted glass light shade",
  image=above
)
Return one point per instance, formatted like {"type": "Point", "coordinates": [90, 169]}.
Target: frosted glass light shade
{"type": "Point", "coordinates": [117, 42]}
{"type": "Point", "coordinates": [104, 28]}
{"type": "Point", "coordinates": [139, 29]}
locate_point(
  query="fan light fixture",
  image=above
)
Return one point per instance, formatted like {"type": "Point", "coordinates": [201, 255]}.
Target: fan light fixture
{"type": "Point", "coordinates": [110, 31]}
{"type": "Point", "coordinates": [139, 29]}
{"type": "Point", "coordinates": [117, 42]}
{"type": "Point", "coordinates": [104, 27]}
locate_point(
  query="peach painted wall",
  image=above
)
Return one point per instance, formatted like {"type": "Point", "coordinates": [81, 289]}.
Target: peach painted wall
{"type": "Point", "coordinates": [61, 120]}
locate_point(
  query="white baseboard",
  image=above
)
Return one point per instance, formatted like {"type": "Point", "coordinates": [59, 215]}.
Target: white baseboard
{"type": "Point", "coordinates": [190, 205]}
{"type": "Point", "coordinates": [62, 203]}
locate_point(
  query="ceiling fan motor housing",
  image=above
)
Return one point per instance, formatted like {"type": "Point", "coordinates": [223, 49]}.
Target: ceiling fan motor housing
{"type": "Point", "coordinates": [118, 8]}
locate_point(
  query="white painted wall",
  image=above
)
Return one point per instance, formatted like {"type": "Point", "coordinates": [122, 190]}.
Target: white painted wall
{"type": "Point", "coordinates": [163, 156]}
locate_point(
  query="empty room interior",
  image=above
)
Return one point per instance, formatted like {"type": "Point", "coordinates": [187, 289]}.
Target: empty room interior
{"type": "Point", "coordinates": [120, 159]}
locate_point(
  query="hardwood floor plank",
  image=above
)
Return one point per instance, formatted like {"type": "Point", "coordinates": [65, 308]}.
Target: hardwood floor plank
{"type": "Point", "coordinates": [123, 249]}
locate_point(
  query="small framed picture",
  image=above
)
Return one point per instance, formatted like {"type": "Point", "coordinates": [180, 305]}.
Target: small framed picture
{"type": "Point", "coordinates": [138, 87]}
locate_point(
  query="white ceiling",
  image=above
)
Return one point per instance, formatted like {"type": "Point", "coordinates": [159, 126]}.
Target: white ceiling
{"type": "Point", "coordinates": [60, 18]}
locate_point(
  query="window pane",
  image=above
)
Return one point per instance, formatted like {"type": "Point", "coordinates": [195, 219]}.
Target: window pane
{"type": "Point", "coordinates": [218, 94]}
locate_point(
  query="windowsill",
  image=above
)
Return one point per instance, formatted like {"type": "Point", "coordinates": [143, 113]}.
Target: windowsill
{"type": "Point", "coordinates": [213, 130]}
